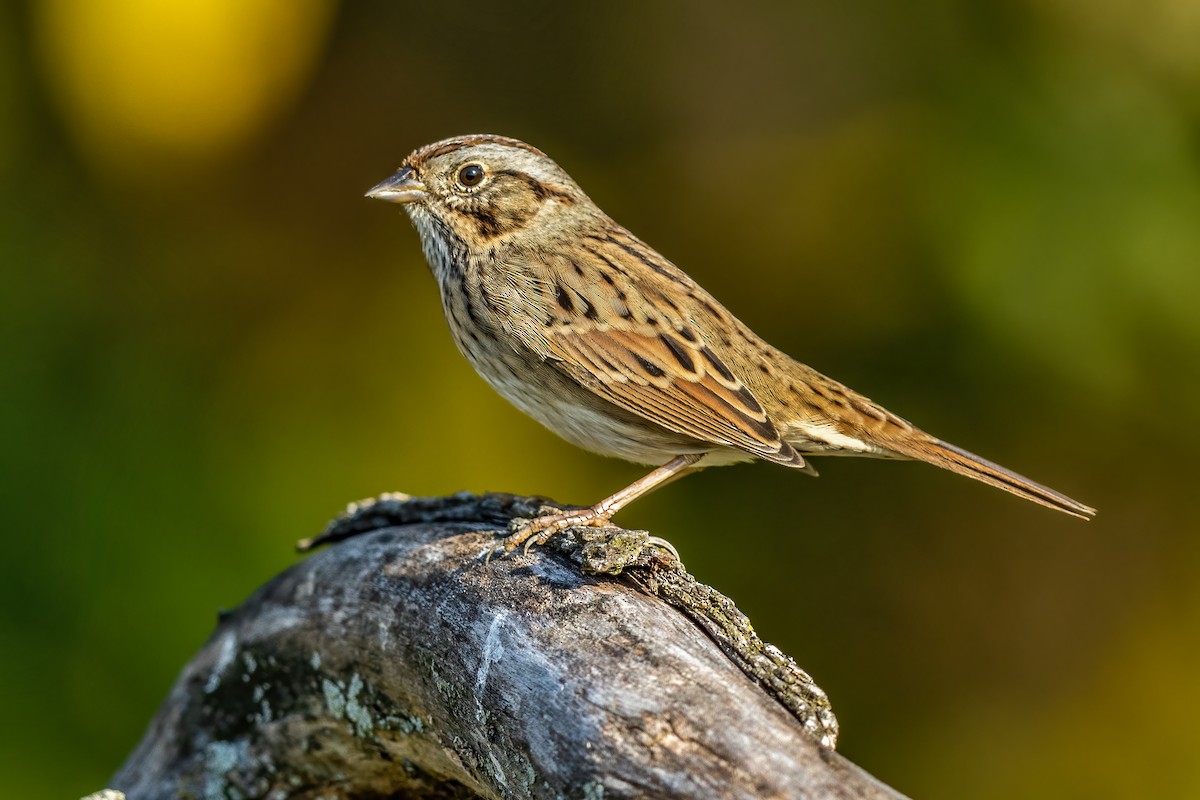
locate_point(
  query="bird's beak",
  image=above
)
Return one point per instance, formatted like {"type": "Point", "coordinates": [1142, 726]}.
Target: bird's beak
{"type": "Point", "coordinates": [403, 187]}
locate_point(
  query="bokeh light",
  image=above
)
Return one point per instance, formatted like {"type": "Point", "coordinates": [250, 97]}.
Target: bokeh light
{"type": "Point", "coordinates": [150, 80]}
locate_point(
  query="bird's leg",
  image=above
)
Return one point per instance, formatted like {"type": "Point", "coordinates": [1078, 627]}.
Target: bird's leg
{"type": "Point", "coordinates": [538, 530]}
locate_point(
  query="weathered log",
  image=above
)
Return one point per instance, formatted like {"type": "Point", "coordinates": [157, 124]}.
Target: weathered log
{"type": "Point", "coordinates": [398, 663]}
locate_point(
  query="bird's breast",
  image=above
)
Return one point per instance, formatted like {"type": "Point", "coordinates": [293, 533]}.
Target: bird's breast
{"type": "Point", "coordinates": [535, 386]}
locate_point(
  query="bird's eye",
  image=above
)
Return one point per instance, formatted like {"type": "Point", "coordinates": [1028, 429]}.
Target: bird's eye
{"type": "Point", "coordinates": [470, 175]}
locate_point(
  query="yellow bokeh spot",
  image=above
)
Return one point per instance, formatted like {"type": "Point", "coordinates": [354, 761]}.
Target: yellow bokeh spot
{"type": "Point", "coordinates": [185, 78]}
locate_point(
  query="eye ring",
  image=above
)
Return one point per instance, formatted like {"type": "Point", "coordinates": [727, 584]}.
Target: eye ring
{"type": "Point", "coordinates": [470, 175]}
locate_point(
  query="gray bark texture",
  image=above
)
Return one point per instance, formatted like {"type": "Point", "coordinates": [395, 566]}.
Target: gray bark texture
{"type": "Point", "coordinates": [398, 662]}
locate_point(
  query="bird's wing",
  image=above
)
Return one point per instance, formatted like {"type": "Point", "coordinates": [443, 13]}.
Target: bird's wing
{"type": "Point", "coordinates": [668, 375]}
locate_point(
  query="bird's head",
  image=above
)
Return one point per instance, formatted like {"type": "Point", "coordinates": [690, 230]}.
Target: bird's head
{"type": "Point", "coordinates": [480, 188]}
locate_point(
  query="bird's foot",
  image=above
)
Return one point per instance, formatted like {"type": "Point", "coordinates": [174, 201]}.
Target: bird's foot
{"type": "Point", "coordinates": [538, 530]}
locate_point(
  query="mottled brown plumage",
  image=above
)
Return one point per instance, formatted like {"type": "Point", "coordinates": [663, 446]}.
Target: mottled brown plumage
{"type": "Point", "coordinates": [590, 331]}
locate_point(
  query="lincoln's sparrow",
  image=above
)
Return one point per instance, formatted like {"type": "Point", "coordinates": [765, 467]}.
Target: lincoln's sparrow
{"type": "Point", "coordinates": [591, 332]}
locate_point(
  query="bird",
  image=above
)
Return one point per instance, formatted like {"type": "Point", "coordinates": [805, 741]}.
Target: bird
{"type": "Point", "coordinates": [590, 331]}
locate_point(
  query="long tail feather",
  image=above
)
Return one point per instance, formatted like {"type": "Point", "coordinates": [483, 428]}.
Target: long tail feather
{"type": "Point", "coordinates": [955, 459]}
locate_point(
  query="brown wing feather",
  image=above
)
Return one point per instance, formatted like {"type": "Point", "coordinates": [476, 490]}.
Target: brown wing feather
{"type": "Point", "coordinates": [678, 384]}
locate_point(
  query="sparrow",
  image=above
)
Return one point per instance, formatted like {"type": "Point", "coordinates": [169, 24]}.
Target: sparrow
{"type": "Point", "coordinates": [593, 333]}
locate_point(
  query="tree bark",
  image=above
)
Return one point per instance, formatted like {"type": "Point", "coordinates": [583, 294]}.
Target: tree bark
{"type": "Point", "coordinates": [399, 663]}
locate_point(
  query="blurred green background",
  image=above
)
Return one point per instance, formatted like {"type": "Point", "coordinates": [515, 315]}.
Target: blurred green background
{"type": "Point", "coordinates": [983, 214]}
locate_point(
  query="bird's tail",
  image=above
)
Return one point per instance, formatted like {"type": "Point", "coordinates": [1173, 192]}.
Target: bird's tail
{"type": "Point", "coordinates": [945, 455]}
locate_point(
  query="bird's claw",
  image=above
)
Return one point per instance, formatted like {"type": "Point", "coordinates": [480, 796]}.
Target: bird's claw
{"type": "Point", "coordinates": [538, 530]}
{"type": "Point", "coordinates": [658, 541]}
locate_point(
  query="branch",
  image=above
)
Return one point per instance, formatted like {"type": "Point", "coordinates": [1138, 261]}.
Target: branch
{"type": "Point", "coordinates": [398, 663]}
